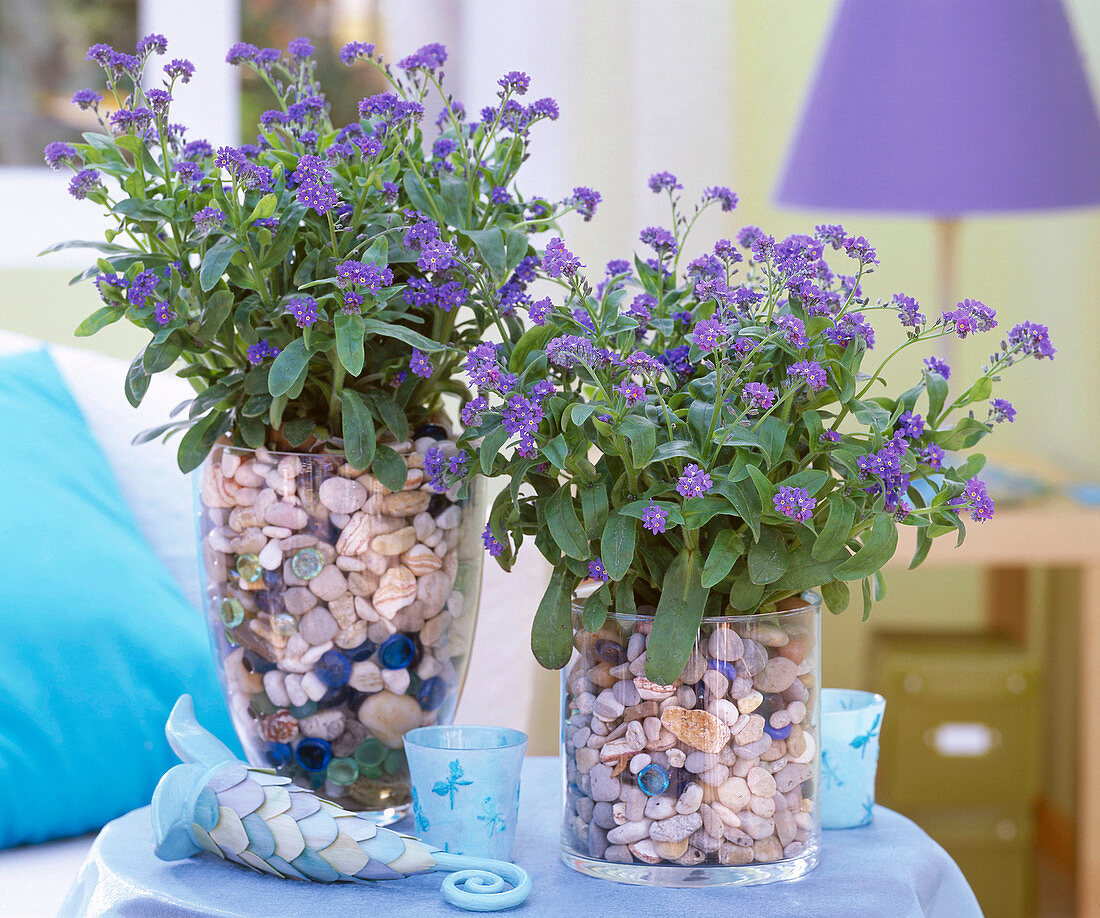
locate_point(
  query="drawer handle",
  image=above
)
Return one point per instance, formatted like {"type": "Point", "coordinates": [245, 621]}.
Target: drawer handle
{"type": "Point", "coordinates": [963, 740]}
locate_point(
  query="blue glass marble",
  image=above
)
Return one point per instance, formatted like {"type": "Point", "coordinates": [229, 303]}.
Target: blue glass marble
{"type": "Point", "coordinates": [274, 579]}
{"type": "Point", "coordinates": [653, 780]}
{"type": "Point", "coordinates": [355, 698]}
{"type": "Point", "coordinates": [431, 694]}
{"type": "Point", "coordinates": [397, 651]}
{"type": "Point", "coordinates": [279, 753]}
{"type": "Point", "coordinates": [333, 668]}
{"type": "Point", "coordinates": [255, 663]}
{"type": "Point", "coordinates": [363, 652]}
{"type": "Point", "coordinates": [777, 732]}
{"type": "Point", "coordinates": [334, 697]}
{"type": "Point", "coordinates": [430, 430]}
{"type": "Point", "coordinates": [726, 668]}
{"type": "Point", "coordinates": [313, 754]}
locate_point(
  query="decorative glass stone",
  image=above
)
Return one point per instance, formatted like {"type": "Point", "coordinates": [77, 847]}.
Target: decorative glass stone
{"type": "Point", "coordinates": [232, 612]}
{"type": "Point", "coordinates": [777, 732]}
{"type": "Point", "coordinates": [301, 711]}
{"type": "Point", "coordinates": [334, 697]}
{"type": "Point", "coordinates": [249, 568]}
{"type": "Point", "coordinates": [653, 780]}
{"type": "Point", "coordinates": [274, 579]}
{"type": "Point", "coordinates": [397, 651]}
{"type": "Point", "coordinates": [370, 752]}
{"type": "Point", "coordinates": [430, 430]}
{"type": "Point", "coordinates": [610, 652]}
{"type": "Point", "coordinates": [253, 662]}
{"type": "Point", "coordinates": [394, 761]}
{"type": "Point", "coordinates": [313, 754]}
{"type": "Point", "coordinates": [280, 753]}
{"type": "Point", "coordinates": [726, 668]}
{"type": "Point", "coordinates": [261, 705]}
{"type": "Point", "coordinates": [342, 772]}
{"type": "Point", "coordinates": [284, 624]}
{"type": "Point", "coordinates": [438, 504]}
{"type": "Point", "coordinates": [307, 563]}
{"type": "Point", "coordinates": [431, 694]}
{"type": "Point", "coordinates": [363, 652]}
{"type": "Point", "coordinates": [333, 668]}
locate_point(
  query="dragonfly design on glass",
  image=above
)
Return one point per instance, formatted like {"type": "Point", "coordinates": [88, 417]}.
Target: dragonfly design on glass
{"type": "Point", "coordinates": [832, 776]}
{"type": "Point", "coordinates": [422, 824]}
{"type": "Point", "coordinates": [491, 816]}
{"type": "Point", "coordinates": [447, 788]}
{"type": "Point", "coordinates": [868, 807]}
{"type": "Point", "coordinates": [861, 742]}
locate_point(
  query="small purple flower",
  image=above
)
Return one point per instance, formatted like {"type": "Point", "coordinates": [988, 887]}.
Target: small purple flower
{"type": "Point", "coordinates": [586, 200]}
{"type": "Point", "coordinates": [152, 44]}
{"type": "Point", "coordinates": [931, 455]}
{"type": "Point", "coordinates": [910, 425]}
{"type": "Point", "coordinates": [631, 391]}
{"type": "Point", "coordinates": [355, 50]}
{"type": "Point", "coordinates": [758, 395]}
{"type": "Point", "coordinates": [558, 260]}
{"type": "Point", "coordinates": [539, 310]}
{"type": "Point", "coordinates": [659, 239]}
{"type": "Point", "coordinates": [499, 195]}
{"type": "Point", "coordinates": [617, 266]}
{"type": "Point", "coordinates": [794, 503]}
{"type": "Point", "coordinates": [653, 517]}
{"type": "Point", "coordinates": [1033, 339]}
{"type": "Point", "coordinates": [420, 365]}
{"type": "Point", "coordinates": [832, 233]}
{"type": "Point", "coordinates": [451, 295]}
{"type": "Point", "coordinates": [694, 482]}
{"type": "Point", "coordinates": [723, 195]}
{"type": "Point", "coordinates": [241, 52]}
{"type": "Point", "coordinates": [300, 48]}
{"type": "Point", "coordinates": [353, 303]}
{"type": "Point", "coordinates": [860, 249]}
{"type": "Point", "coordinates": [473, 410]}
{"type": "Point", "coordinates": [141, 288]}
{"type": "Point", "coordinates": [209, 219]}
{"type": "Point", "coordinates": [811, 372]}
{"type": "Point", "coordinates": [420, 233]}
{"type": "Point", "coordinates": [437, 255]}
{"type": "Point", "coordinates": [725, 250]}
{"type": "Point", "coordinates": [976, 499]}
{"type": "Point", "coordinates": [163, 314]}
{"type": "Point", "coordinates": [258, 352]}
{"type": "Point", "coordinates": [58, 154]}
{"type": "Point", "coordinates": [971, 316]}
{"type": "Point", "coordinates": [85, 99]}
{"type": "Point", "coordinates": [545, 108]}
{"type": "Point", "coordinates": [596, 570]}
{"type": "Point", "coordinates": [1000, 409]}
{"type": "Point", "coordinates": [794, 331]}
{"type": "Point", "coordinates": [940, 367]}
{"type": "Point", "coordinates": [852, 326]}
{"type": "Point", "coordinates": [908, 313]}
{"type": "Point", "coordinates": [490, 542]}
{"type": "Point", "coordinates": [360, 274]}
{"type": "Point", "coordinates": [515, 81]}
{"type": "Point", "coordinates": [709, 334]}
{"type": "Point", "coordinates": [430, 57]}
{"type": "Point", "coordinates": [830, 436]}
{"type": "Point", "coordinates": [304, 310]}
{"type": "Point", "coordinates": [663, 181]}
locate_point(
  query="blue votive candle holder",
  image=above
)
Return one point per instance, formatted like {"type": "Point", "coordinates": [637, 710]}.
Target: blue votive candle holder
{"type": "Point", "coordinates": [850, 725]}
{"type": "Point", "coordinates": [465, 787]}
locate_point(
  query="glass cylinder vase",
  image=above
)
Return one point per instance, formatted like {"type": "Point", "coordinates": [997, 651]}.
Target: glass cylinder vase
{"type": "Point", "coordinates": [341, 612]}
{"type": "Point", "coordinates": [711, 780]}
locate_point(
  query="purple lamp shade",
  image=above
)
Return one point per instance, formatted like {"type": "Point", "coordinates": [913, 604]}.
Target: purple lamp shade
{"type": "Point", "coordinates": [947, 107]}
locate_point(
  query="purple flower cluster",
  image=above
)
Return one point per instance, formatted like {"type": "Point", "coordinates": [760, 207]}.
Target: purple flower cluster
{"type": "Point", "coordinates": [908, 311]}
{"type": "Point", "coordinates": [910, 425]}
{"type": "Point", "coordinates": [931, 455]}
{"type": "Point", "coordinates": [852, 326]}
{"type": "Point", "coordinates": [558, 260]}
{"type": "Point", "coordinates": [971, 316]}
{"type": "Point", "coordinates": [596, 570]}
{"type": "Point", "coordinates": [794, 331]}
{"type": "Point", "coordinates": [443, 471]}
{"type": "Point", "coordinates": [630, 390]}
{"type": "Point", "coordinates": [710, 334]}
{"type": "Point", "coordinates": [314, 184]}
{"type": "Point", "coordinates": [723, 195]}
{"type": "Point", "coordinates": [356, 50]}
{"type": "Point", "coordinates": [163, 314]}
{"type": "Point", "coordinates": [811, 372]}
{"type": "Point", "coordinates": [976, 499]}
{"type": "Point", "coordinates": [694, 482]}
{"type": "Point", "coordinates": [886, 466]}
{"type": "Point", "coordinates": [363, 274]}
{"type": "Point", "coordinates": [759, 395]}
{"type": "Point", "coordinates": [208, 219]}
{"type": "Point", "coordinates": [522, 414]}
{"type": "Point", "coordinates": [936, 365]}
{"type": "Point", "coordinates": [1000, 410]}
{"type": "Point", "coordinates": [659, 239]}
{"type": "Point", "coordinates": [663, 181]}
{"type": "Point", "coordinates": [420, 365]}
{"type": "Point", "coordinates": [141, 288]}
{"type": "Point", "coordinates": [794, 503]}
{"type": "Point", "coordinates": [260, 351]}
{"type": "Point", "coordinates": [58, 154]}
{"type": "Point", "coordinates": [514, 81]}
{"type": "Point", "coordinates": [490, 542]}
{"type": "Point", "coordinates": [304, 310]}
{"type": "Point", "coordinates": [653, 518]}
{"type": "Point", "coordinates": [251, 175]}
{"type": "Point", "coordinates": [1032, 339]}
{"type": "Point", "coordinates": [429, 57]}
{"type": "Point", "coordinates": [437, 256]}
{"type": "Point", "coordinates": [585, 200]}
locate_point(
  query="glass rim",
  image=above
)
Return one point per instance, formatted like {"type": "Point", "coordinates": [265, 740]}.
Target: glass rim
{"type": "Point", "coordinates": [812, 598]}
{"type": "Point", "coordinates": [512, 737]}
{"type": "Point", "coordinates": [865, 701]}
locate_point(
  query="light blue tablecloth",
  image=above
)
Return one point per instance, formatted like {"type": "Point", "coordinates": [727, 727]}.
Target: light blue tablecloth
{"type": "Point", "coordinates": [890, 868]}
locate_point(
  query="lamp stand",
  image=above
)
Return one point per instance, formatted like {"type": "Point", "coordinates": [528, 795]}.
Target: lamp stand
{"type": "Point", "coordinates": [946, 231]}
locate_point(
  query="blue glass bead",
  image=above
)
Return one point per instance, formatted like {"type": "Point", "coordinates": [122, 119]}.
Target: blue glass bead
{"type": "Point", "coordinates": [430, 430]}
{"type": "Point", "coordinates": [248, 568]}
{"type": "Point", "coordinates": [279, 753]}
{"type": "Point", "coordinates": [313, 754]}
{"type": "Point", "coordinates": [355, 698]}
{"type": "Point", "coordinates": [334, 697]}
{"type": "Point", "coordinates": [274, 579]}
{"type": "Point", "coordinates": [363, 652]}
{"type": "Point", "coordinates": [255, 663]}
{"type": "Point", "coordinates": [270, 601]}
{"type": "Point", "coordinates": [307, 563]}
{"type": "Point", "coordinates": [333, 668]}
{"type": "Point", "coordinates": [653, 780]}
{"type": "Point", "coordinates": [323, 530]}
{"type": "Point", "coordinates": [431, 694]}
{"type": "Point", "coordinates": [301, 711]}
{"type": "Point", "coordinates": [397, 651]}
{"type": "Point", "coordinates": [726, 668]}
{"type": "Point", "coordinates": [777, 732]}
{"type": "Point", "coordinates": [438, 504]}
{"type": "Point", "coordinates": [414, 684]}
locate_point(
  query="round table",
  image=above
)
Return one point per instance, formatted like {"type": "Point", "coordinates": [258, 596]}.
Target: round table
{"type": "Point", "coordinates": [887, 868]}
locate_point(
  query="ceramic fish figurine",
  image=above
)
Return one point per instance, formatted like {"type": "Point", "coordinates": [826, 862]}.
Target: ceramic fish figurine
{"type": "Point", "coordinates": [256, 818]}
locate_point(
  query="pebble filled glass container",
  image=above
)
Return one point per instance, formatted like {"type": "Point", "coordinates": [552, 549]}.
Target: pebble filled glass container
{"type": "Point", "coordinates": [341, 613]}
{"type": "Point", "coordinates": [711, 780]}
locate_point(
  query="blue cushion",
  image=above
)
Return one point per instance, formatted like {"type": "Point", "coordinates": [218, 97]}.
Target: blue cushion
{"type": "Point", "coordinates": [96, 640]}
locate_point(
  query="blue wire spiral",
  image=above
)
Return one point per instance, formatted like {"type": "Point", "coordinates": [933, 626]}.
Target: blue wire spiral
{"type": "Point", "coordinates": [478, 884]}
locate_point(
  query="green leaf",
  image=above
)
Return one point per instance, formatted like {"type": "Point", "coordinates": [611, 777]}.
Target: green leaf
{"type": "Point", "coordinates": [200, 439]}
{"type": "Point", "coordinates": [391, 415]}
{"type": "Point", "coordinates": [641, 434]}
{"type": "Point", "coordinates": [552, 629]}
{"type": "Point", "coordinates": [533, 341]}
{"type": "Point", "coordinates": [214, 262]}
{"type": "Point", "coordinates": [878, 547]}
{"type": "Point", "coordinates": [101, 318]}
{"type": "Point", "coordinates": [349, 344]}
{"type": "Point", "coordinates": [296, 432]}
{"type": "Point", "coordinates": [867, 600]}
{"type": "Point", "coordinates": [389, 468]}
{"type": "Point", "coordinates": [217, 309]}
{"type": "Point", "coordinates": [358, 429]}
{"type": "Point", "coordinates": [566, 529]}
{"type": "Point", "coordinates": [745, 595]}
{"type": "Point", "coordinates": [289, 367]}
{"type": "Point", "coordinates": [400, 333]}
{"type": "Point", "coordinates": [159, 357]}
{"type": "Point", "coordinates": [836, 596]}
{"type": "Point", "coordinates": [924, 543]}
{"type": "Point", "coordinates": [962, 436]}
{"type": "Point", "coordinates": [727, 548]}
{"type": "Point", "coordinates": [594, 509]}
{"type": "Point", "coordinates": [515, 247]}
{"type": "Point", "coordinates": [264, 208]}
{"type": "Point", "coordinates": [830, 542]}
{"type": "Point", "coordinates": [745, 499]}
{"type": "Point", "coordinates": [617, 544]}
{"type": "Point", "coordinates": [556, 451]}
{"type": "Point", "coordinates": [768, 556]}
{"type": "Point", "coordinates": [937, 395]}
{"type": "Point", "coordinates": [137, 381]}
{"type": "Point", "coordinates": [490, 446]}
{"type": "Point", "coordinates": [870, 414]}
{"type": "Point", "coordinates": [676, 624]}
{"type": "Point", "coordinates": [594, 611]}
{"type": "Point", "coordinates": [490, 245]}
